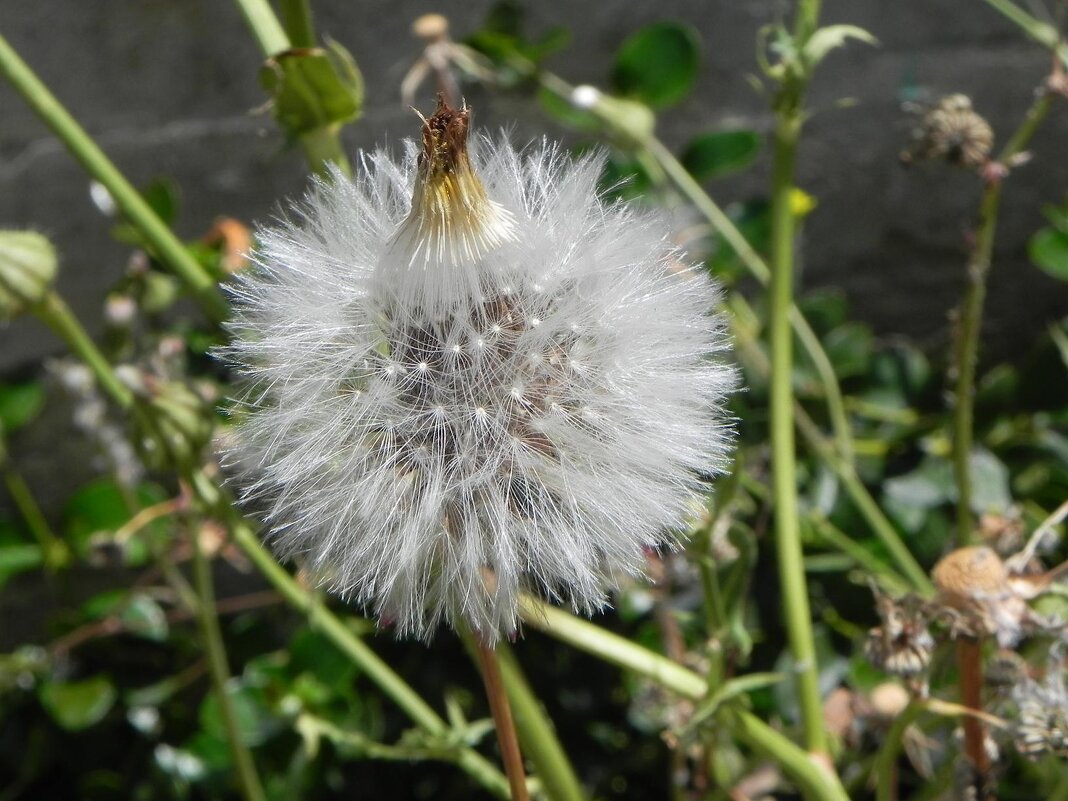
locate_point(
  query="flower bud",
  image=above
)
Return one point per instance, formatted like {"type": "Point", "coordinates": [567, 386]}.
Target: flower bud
{"type": "Point", "coordinates": [27, 270]}
{"type": "Point", "coordinates": [174, 424]}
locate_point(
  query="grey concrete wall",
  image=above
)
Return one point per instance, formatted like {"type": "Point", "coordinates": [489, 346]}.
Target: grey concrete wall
{"type": "Point", "coordinates": [169, 87]}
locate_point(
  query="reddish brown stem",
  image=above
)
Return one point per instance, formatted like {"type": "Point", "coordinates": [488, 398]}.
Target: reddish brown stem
{"type": "Point", "coordinates": [502, 719]}
{"type": "Point", "coordinates": [970, 664]}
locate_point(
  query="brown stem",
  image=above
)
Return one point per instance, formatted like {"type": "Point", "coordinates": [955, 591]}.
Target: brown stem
{"type": "Point", "coordinates": [502, 719]}
{"type": "Point", "coordinates": [970, 664]}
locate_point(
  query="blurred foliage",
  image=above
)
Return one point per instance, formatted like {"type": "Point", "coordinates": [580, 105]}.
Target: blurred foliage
{"type": "Point", "coordinates": [112, 699]}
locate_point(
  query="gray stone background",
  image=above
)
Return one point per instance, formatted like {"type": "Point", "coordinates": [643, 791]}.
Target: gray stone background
{"type": "Point", "coordinates": [169, 87]}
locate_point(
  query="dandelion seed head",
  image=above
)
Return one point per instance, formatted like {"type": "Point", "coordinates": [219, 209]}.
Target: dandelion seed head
{"type": "Point", "coordinates": [469, 377]}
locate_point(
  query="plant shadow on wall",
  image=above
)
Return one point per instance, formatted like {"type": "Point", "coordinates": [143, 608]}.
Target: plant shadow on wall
{"type": "Point", "coordinates": [866, 603]}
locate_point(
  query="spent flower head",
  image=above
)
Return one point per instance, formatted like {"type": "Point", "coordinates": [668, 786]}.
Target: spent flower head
{"type": "Point", "coordinates": [469, 377]}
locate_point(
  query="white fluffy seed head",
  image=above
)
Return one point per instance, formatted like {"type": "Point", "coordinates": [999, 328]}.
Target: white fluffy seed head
{"type": "Point", "coordinates": [488, 384]}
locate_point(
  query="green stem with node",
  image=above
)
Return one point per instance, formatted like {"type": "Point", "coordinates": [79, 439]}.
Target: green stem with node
{"type": "Point", "coordinates": [161, 239]}
{"type": "Point", "coordinates": [969, 323]}
{"type": "Point", "coordinates": [811, 775]}
{"type": "Point", "coordinates": [322, 146]}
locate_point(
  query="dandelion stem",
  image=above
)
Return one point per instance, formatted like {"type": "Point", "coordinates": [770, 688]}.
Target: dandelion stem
{"type": "Point", "coordinates": [536, 736]}
{"type": "Point", "coordinates": [211, 633]}
{"type": "Point", "coordinates": [502, 720]}
{"type": "Point", "coordinates": [970, 664]}
{"type": "Point", "coordinates": [971, 316]}
{"type": "Point", "coordinates": [162, 240]}
{"type": "Point", "coordinates": [370, 664]}
{"type": "Point", "coordinates": [811, 775]}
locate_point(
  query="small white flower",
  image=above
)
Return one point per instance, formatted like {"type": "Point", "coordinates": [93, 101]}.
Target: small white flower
{"type": "Point", "coordinates": [491, 383]}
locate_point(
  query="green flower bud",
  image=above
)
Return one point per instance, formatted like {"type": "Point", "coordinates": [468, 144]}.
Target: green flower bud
{"type": "Point", "coordinates": [174, 424]}
{"type": "Point", "coordinates": [27, 269]}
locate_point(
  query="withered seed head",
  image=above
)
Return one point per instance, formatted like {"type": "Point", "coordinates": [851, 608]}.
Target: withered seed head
{"type": "Point", "coordinates": [970, 575]}
{"type": "Point", "coordinates": [953, 132]}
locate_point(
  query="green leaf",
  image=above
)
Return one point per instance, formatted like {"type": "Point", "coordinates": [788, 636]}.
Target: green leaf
{"type": "Point", "coordinates": [714, 154]}
{"type": "Point", "coordinates": [658, 64]}
{"type": "Point", "coordinates": [19, 404]}
{"type": "Point", "coordinates": [1048, 249]}
{"type": "Point", "coordinates": [78, 705]}
{"type": "Point", "coordinates": [929, 485]}
{"type": "Point", "coordinates": [313, 88]}
{"type": "Point", "coordinates": [255, 723]}
{"type": "Point", "coordinates": [162, 195]}
{"type": "Point", "coordinates": [849, 347]}
{"type": "Point", "coordinates": [827, 39]}
{"type": "Point", "coordinates": [19, 558]}
{"type": "Point", "coordinates": [990, 483]}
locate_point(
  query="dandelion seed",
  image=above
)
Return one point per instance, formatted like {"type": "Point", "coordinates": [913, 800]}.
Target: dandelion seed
{"type": "Point", "coordinates": [486, 384]}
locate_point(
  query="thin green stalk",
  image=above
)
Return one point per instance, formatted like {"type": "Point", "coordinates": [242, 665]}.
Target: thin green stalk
{"type": "Point", "coordinates": [814, 779]}
{"type": "Point", "coordinates": [885, 767]}
{"type": "Point", "coordinates": [245, 767]}
{"type": "Point", "coordinates": [58, 316]}
{"type": "Point", "coordinates": [370, 664]}
{"type": "Point", "coordinates": [540, 743]}
{"type": "Point", "coordinates": [783, 462]}
{"type": "Point", "coordinates": [297, 22]}
{"type": "Point", "coordinates": [1042, 32]}
{"type": "Point", "coordinates": [971, 318]}
{"type": "Point", "coordinates": [165, 244]}
{"type": "Point", "coordinates": [54, 551]}
{"type": "Point", "coordinates": [1060, 790]}
{"type": "Point", "coordinates": [261, 19]}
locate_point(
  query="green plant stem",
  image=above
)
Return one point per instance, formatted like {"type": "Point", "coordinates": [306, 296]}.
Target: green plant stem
{"type": "Point", "coordinates": [58, 316]}
{"type": "Point", "coordinates": [1060, 790]}
{"type": "Point", "coordinates": [211, 633]}
{"type": "Point", "coordinates": [54, 551]}
{"type": "Point", "coordinates": [885, 767]}
{"type": "Point", "coordinates": [813, 778]}
{"type": "Point", "coordinates": [783, 462]}
{"type": "Point", "coordinates": [297, 22]}
{"type": "Point", "coordinates": [268, 31]}
{"type": "Point", "coordinates": [969, 323]}
{"type": "Point", "coordinates": [370, 664]}
{"type": "Point", "coordinates": [170, 251]}
{"type": "Point", "coordinates": [540, 744]}
{"type": "Point", "coordinates": [1042, 32]}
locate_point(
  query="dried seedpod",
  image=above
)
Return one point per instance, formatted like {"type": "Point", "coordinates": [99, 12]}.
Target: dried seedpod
{"type": "Point", "coordinates": [951, 131]}
{"type": "Point", "coordinates": [902, 645]}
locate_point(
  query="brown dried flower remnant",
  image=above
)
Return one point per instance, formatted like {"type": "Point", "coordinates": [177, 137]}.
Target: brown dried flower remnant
{"type": "Point", "coordinates": [951, 131]}
{"type": "Point", "coordinates": [984, 595]}
{"type": "Point", "coordinates": [902, 645]}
